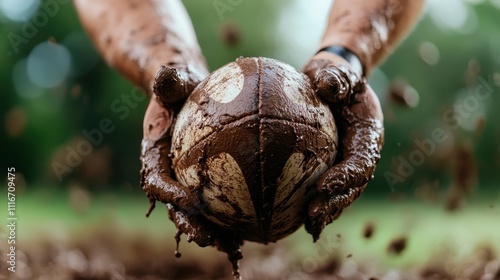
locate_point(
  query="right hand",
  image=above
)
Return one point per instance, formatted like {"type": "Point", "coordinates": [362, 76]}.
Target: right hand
{"type": "Point", "coordinates": [359, 118]}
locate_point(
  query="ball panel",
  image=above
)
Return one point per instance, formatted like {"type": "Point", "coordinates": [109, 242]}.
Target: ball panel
{"type": "Point", "coordinates": [245, 103]}
{"type": "Point", "coordinates": [191, 126]}
{"type": "Point", "coordinates": [216, 102]}
{"type": "Point", "coordinates": [285, 85]}
{"type": "Point", "coordinates": [227, 194]}
{"type": "Point", "coordinates": [241, 139]}
{"type": "Point", "coordinates": [226, 83]}
{"type": "Point", "coordinates": [292, 173]}
{"type": "Point", "coordinates": [293, 87]}
{"type": "Point", "coordinates": [188, 176]}
{"type": "Point", "coordinates": [203, 113]}
{"type": "Point", "coordinates": [291, 162]}
{"type": "Point", "coordinates": [290, 209]}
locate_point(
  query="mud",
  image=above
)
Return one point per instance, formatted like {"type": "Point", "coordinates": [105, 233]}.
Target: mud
{"type": "Point", "coordinates": [97, 252]}
{"type": "Point", "coordinates": [369, 230]}
{"type": "Point", "coordinates": [248, 147]}
{"type": "Point", "coordinates": [397, 245]}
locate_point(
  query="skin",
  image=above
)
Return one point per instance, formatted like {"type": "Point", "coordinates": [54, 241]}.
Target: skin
{"type": "Point", "coordinates": [370, 29]}
{"type": "Point", "coordinates": [155, 47]}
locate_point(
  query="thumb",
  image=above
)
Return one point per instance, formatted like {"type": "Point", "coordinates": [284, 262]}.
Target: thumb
{"type": "Point", "coordinates": [334, 82]}
{"type": "Point", "coordinates": [175, 82]}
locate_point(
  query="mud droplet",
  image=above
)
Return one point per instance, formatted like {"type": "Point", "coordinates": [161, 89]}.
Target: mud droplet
{"type": "Point", "coordinates": [369, 230]}
{"type": "Point", "coordinates": [236, 269]}
{"type": "Point", "coordinates": [230, 35]}
{"type": "Point", "coordinates": [397, 245]}
{"type": "Point", "coordinates": [480, 123]}
{"type": "Point", "coordinates": [15, 122]}
{"type": "Point", "coordinates": [177, 237]}
{"type": "Point", "coordinates": [403, 94]}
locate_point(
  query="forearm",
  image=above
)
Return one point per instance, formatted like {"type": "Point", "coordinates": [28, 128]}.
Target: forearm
{"type": "Point", "coordinates": [138, 37]}
{"type": "Point", "coordinates": [370, 28]}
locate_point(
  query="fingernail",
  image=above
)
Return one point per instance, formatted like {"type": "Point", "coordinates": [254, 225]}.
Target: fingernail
{"type": "Point", "coordinates": [331, 86]}
{"type": "Point", "coordinates": [169, 85]}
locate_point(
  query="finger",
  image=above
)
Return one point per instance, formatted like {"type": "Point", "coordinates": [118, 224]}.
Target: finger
{"type": "Point", "coordinates": [333, 82]}
{"type": "Point", "coordinates": [361, 151]}
{"type": "Point", "coordinates": [326, 80]}
{"type": "Point", "coordinates": [313, 66]}
{"type": "Point", "coordinates": [175, 82]}
{"type": "Point", "coordinates": [197, 228]}
{"type": "Point", "coordinates": [362, 143]}
{"type": "Point", "coordinates": [343, 183]}
{"type": "Point", "coordinates": [156, 179]}
{"type": "Point", "coordinates": [158, 120]}
{"type": "Point", "coordinates": [324, 209]}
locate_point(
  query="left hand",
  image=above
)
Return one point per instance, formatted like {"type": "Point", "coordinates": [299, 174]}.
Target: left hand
{"type": "Point", "coordinates": [360, 121]}
{"type": "Point", "coordinates": [171, 87]}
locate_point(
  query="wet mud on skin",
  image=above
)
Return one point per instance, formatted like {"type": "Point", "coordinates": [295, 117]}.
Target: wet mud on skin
{"type": "Point", "coordinates": [341, 186]}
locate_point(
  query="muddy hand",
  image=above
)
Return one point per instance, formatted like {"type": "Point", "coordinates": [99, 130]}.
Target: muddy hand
{"type": "Point", "coordinates": [359, 118]}
{"type": "Point", "coordinates": [175, 82]}
{"type": "Point", "coordinates": [184, 204]}
{"type": "Point", "coordinates": [342, 184]}
{"type": "Point", "coordinates": [156, 175]}
{"type": "Point", "coordinates": [153, 45]}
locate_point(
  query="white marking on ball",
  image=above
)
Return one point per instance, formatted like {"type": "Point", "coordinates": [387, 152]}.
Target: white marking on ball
{"type": "Point", "coordinates": [292, 173]}
{"type": "Point", "coordinates": [227, 179]}
{"type": "Point", "coordinates": [326, 119]}
{"type": "Point", "coordinates": [327, 125]}
{"type": "Point", "coordinates": [293, 205]}
{"type": "Point", "coordinates": [293, 85]}
{"type": "Point", "coordinates": [188, 176]}
{"type": "Point", "coordinates": [292, 88]}
{"type": "Point", "coordinates": [188, 110]}
{"type": "Point", "coordinates": [318, 171]}
{"type": "Point", "coordinates": [225, 84]}
{"type": "Point", "coordinates": [187, 131]}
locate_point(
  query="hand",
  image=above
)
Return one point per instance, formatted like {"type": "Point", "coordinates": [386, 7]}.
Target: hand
{"type": "Point", "coordinates": [359, 118]}
{"type": "Point", "coordinates": [171, 86]}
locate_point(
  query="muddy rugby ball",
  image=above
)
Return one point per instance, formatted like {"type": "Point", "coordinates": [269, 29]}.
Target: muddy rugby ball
{"type": "Point", "coordinates": [254, 138]}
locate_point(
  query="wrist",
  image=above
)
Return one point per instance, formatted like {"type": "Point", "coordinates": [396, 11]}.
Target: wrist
{"type": "Point", "coordinates": [341, 54]}
{"type": "Point", "coordinates": [356, 42]}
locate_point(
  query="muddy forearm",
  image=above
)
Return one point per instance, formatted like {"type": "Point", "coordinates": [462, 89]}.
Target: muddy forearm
{"type": "Point", "coordinates": [370, 28]}
{"type": "Point", "coordinates": [139, 36]}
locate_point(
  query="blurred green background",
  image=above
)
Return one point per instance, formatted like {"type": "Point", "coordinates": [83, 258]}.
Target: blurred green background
{"type": "Point", "coordinates": [445, 76]}
{"type": "Point", "coordinates": [55, 86]}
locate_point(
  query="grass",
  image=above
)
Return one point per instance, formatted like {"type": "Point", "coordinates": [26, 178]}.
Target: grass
{"type": "Point", "coordinates": [432, 233]}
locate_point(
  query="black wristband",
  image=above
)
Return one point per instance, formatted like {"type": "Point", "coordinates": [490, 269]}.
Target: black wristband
{"type": "Point", "coordinates": [346, 54]}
